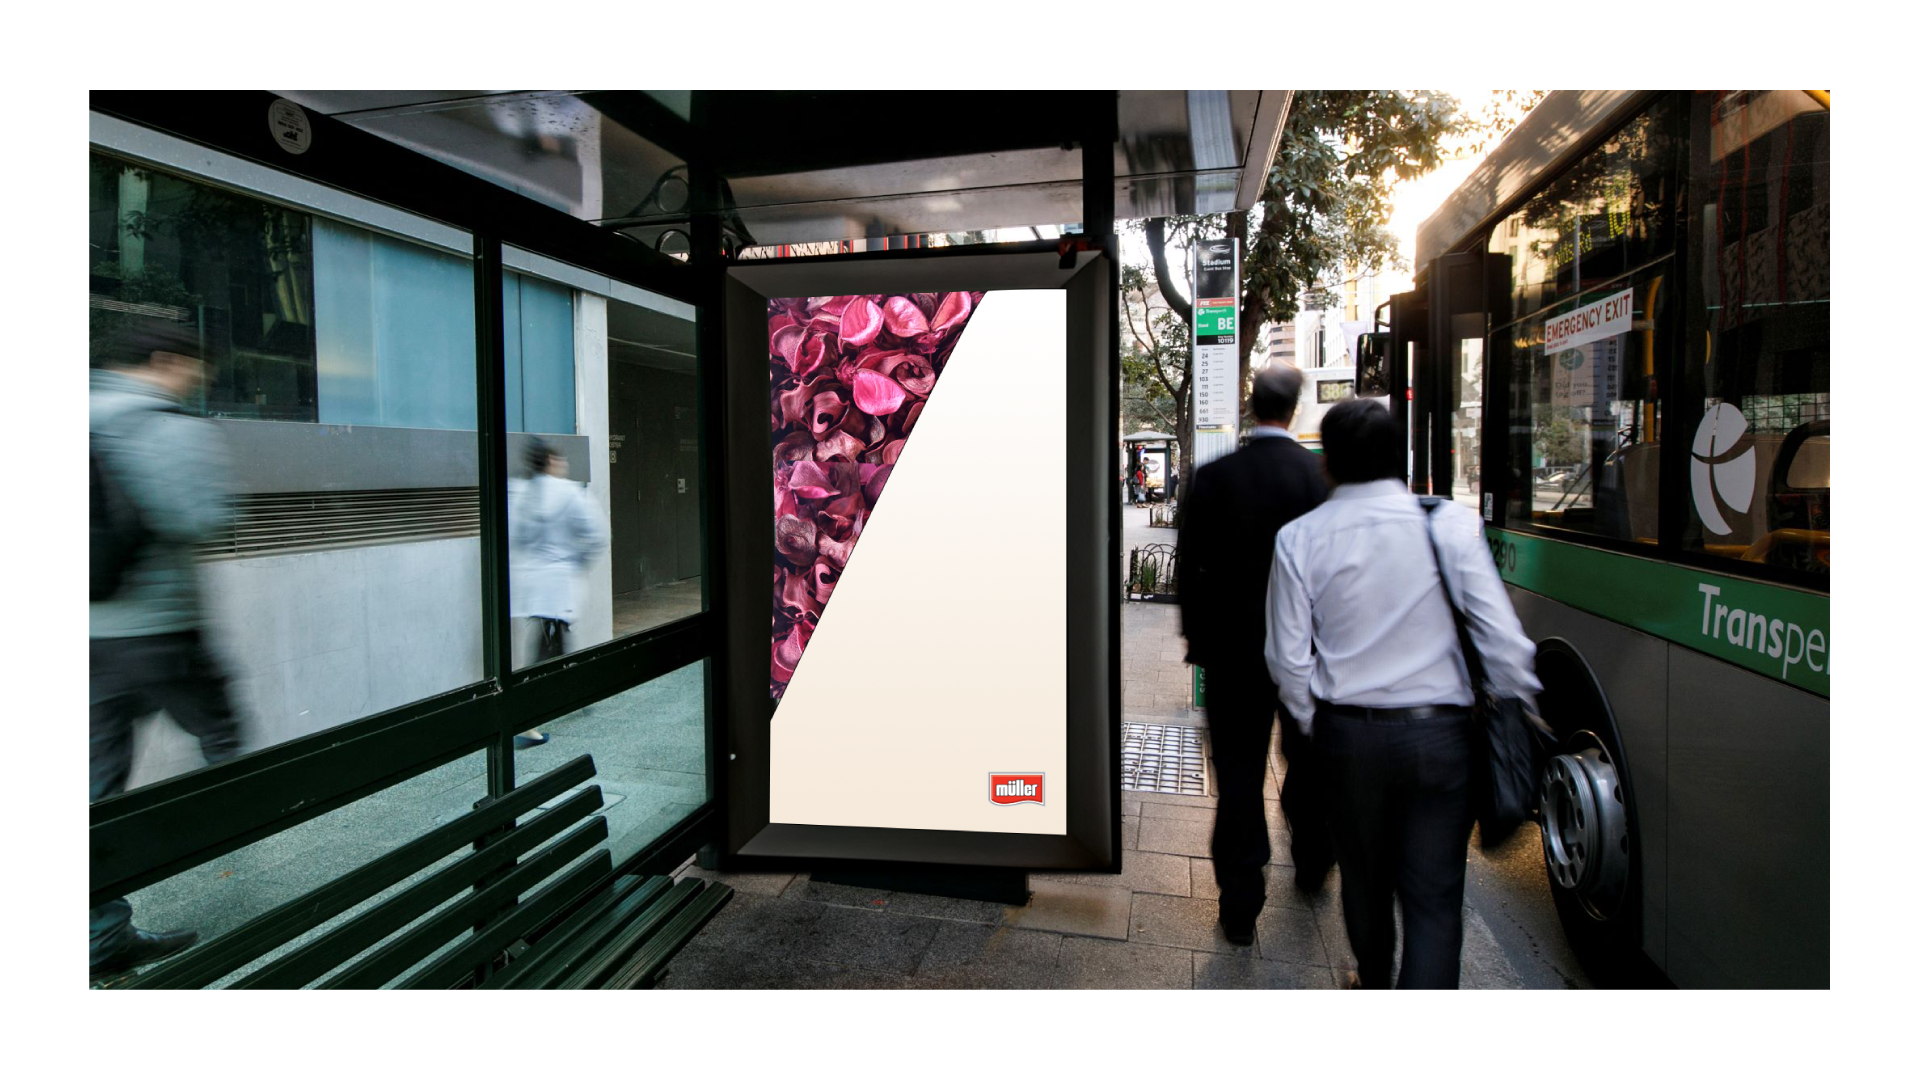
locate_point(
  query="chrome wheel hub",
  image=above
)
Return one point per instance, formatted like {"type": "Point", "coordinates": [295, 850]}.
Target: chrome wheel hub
{"type": "Point", "coordinates": [1583, 818]}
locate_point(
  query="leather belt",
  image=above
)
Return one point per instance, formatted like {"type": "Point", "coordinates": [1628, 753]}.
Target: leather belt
{"type": "Point", "coordinates": [1414, 712]}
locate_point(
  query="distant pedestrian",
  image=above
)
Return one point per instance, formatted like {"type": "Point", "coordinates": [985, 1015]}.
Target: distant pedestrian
{"type": "Point", "coordinates": [159, 487]}
{"type": "Point", "coordinates": [555, 531]}
{"type": "Point", "coordinates": [1233, 510]}
{"type": "Point", "coordinates": [1139, 485]}
{"type": "Point", "coordinates": [1361, 640]}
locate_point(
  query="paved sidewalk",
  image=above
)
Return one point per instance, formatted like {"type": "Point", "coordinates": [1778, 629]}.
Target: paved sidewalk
{"type": "Point", "coordinates": [1153, 926]}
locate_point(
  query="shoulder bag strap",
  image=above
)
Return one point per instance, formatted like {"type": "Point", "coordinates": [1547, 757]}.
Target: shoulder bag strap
{"type": "Point", "coordinates": [1476, 670]}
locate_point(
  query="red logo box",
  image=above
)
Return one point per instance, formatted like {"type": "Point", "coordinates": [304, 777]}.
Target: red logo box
{"type": "Point", "coordinates": [1005, 789]}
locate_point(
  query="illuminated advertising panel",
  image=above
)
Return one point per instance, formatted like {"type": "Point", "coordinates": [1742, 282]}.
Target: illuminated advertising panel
{"type": "Point", "coordinates": [921, 553]}
{"type": "Point", "coordinates": [906, 696]}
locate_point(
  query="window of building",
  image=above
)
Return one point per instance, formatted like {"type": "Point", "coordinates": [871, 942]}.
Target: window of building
{"type": "Point", "coordinates": [332, 572]}
{"type": "Point", "coordinates": [603, 508]}
{"type": "Point", "coordinates": [235, 271]}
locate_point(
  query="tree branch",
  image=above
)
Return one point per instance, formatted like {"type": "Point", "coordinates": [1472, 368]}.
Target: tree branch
{"type": "Point", "coordinates": [1157, 244]}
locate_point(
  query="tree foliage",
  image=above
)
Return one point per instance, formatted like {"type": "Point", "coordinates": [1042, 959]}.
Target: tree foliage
{"type": "Point", "coordinates": [1323, 213]}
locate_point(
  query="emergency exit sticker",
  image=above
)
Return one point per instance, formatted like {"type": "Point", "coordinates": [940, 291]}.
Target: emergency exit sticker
{"type": "Point", "coordinates": [1601, 319]}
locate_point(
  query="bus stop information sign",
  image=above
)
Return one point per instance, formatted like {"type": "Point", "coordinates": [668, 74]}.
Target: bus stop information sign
{"type": "Point", "coordinates": [1216, 355]}
{"type": "Point", "coordinates": [1216, 366]}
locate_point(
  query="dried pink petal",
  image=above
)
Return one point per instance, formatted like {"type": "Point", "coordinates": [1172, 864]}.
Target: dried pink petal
{"type": "Point", "coordinates": [860, 323]}
{"type": "Point", "coordinates": [876, 394]}
{"type": "Point", "coordinates": [954, 309]}
{"type": "Point", "coordinates": [810, 481]}
{"type": "Point", "coordinates": [904, 319]}
{"type": "Point", "coordinates": [839, 446]}
{"type": "Point", "coordinates": [797, 446]}
{"type": "Point", "coordinates": [794, 538]}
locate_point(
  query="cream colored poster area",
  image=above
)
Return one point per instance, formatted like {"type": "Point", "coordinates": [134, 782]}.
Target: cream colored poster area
{"type": "Point", "coordinates": [942, 656]}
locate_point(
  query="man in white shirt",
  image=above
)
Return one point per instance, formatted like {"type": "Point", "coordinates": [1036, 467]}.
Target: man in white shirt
{"type": "Point", "coordinates": [1361, 642]}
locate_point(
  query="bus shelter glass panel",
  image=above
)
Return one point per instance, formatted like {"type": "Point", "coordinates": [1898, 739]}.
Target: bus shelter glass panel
{"type": "Point", "coordinates": [649, 747]}
{"type": "Point", "coordinates": [1759, 393]}
{"type": "Point", "coordinates": [226, 892]}
{"type": "Point", "coordinates": [283, 409]}
{"type": "Point", "coordinates": [603, 490]}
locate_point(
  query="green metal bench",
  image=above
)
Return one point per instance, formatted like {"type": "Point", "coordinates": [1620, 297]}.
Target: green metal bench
{"type": "Point", "coordinates": [542, 909]}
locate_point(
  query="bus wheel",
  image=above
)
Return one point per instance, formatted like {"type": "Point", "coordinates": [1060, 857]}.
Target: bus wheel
{"type": "Point", "coordinates": [1583, 826]}
{"type": "Point", "coordinates": [1586, 821]}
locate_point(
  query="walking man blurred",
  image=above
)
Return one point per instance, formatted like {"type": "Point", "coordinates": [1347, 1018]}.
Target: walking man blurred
{"type": "Point", "coordinates": [1234, 506]}
{"type": "Point", "coordinates": [159, 488]}
{"type": "Point", "coordinates": [1361, 641]}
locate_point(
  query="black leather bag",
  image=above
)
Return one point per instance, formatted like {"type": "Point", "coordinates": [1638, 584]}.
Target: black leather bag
{"type": "Point", "coordinates": [1510, 741]}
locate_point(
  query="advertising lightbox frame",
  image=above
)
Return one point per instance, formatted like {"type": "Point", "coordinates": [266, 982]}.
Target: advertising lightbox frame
{"type": "Point", "coordinates": [1091, 431]}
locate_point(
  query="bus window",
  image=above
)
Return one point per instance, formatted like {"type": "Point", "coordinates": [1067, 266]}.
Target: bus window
{"type": "Point", "coordinates": [1585, 438]}
{"type": "Point", "coordinates": [1758, 397]}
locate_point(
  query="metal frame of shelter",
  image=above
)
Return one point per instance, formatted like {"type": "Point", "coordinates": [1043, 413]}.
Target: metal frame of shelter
{"type": "Point", "coordinates": [151, 833]}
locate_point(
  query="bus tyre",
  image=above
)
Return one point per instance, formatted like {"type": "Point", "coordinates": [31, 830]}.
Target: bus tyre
{"type": "Point", "coordinates": [1588, 844]}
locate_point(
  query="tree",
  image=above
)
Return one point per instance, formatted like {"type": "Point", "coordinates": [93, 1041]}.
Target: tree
{"type": "Point", "coordinates": [1322, 213]}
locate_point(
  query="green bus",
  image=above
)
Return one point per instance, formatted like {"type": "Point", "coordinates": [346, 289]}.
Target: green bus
{"type": "Point", "coordinates": [1617, 350]}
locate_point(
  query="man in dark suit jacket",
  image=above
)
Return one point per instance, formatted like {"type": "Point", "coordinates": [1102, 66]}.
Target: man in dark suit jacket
{"type": "Point", "coordinates": [1234, 507]}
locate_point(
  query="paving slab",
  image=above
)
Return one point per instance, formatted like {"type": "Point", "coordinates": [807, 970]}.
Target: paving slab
{"type": "Point", "coordinates": [1179, 811]}
{"type": "Point", "coordinates": [1176, 837]}
{"type": "Point", "coordinates": [1094, 964]}
{"type": "Point", "coordinates": [876, 940]}
{"type": "Point", "coordinates": [1088, 910]}
{"type": "Point", "coordinates": [1279, 877]}
{"type": "Point", "coordinates": [1144, 871]}
{"type": "Point", "coordinates": [1483, 965]}
{"type": "Point", "coordinates": [703, 967]}
{"type": "Point", "coordinates": [1223, 971]}
{"type": "Point", "coordinates": [1182, 923]}
{"type": "Point", "coordinates": [1291, 932]}
{"type": "Point", "coordinates": [756, 884]}
{"type": "Point", "coordinates": [971, 955]}
{"type": "Point", "coordinates": [951, 908]}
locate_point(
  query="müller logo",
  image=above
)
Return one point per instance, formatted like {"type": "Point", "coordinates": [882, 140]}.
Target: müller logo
{"type": "Point", "coordinates": [1005, 789]}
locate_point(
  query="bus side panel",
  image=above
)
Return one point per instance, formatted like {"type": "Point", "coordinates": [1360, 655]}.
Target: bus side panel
{"type": "Point", "coordinates": [1632, 670]}
{"type": "Point", "coordinates": [1750, 816]}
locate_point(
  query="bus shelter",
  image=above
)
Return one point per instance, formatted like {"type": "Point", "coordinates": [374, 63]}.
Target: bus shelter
{"type": "Point", "coordinates": [410, 298]}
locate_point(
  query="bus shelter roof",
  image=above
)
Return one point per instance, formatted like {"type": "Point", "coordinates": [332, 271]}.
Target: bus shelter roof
{"type": "Point", "coordinates": [806, 166]}
{"type": "Point", "coordinates": [1149, 436]}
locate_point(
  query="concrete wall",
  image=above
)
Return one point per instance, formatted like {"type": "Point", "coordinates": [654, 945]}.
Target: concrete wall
{"type": "Point", "coordinates": [317, 639]}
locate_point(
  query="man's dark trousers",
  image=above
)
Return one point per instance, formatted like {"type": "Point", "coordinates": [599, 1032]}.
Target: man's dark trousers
{"type": "Point", "coordinates": [1241, 702]}
{"type": "Point", "coordinates": [1397, 792]}
{"type": "Point", "coordinates": [134, 677]}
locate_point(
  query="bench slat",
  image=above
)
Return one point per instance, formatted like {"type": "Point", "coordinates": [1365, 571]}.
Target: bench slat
{"type": "Point", "coordinates": [408, 949]}
{"type": "Point", "coordinates": [630, 936]}
{"type": "Point", "coordinates": [551, 958]}
{"type": "Point", "coordinates": [538, 908]}
{"type": "Point", "coordinates": [323, 954]}
{"type": "Point", "coordinates": [645, 969]}
{"type": "Point", "coordinates": [269, 931]}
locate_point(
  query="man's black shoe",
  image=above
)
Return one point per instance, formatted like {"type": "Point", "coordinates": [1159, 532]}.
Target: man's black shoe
{"type": "Point", "coordinates": [143, 948]}
{"type": "Point", "coordinates": [1237, 934]}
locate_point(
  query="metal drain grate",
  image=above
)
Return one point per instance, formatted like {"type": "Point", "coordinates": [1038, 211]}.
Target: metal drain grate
{"type": "Point", "coordinates": [1166, 758]}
